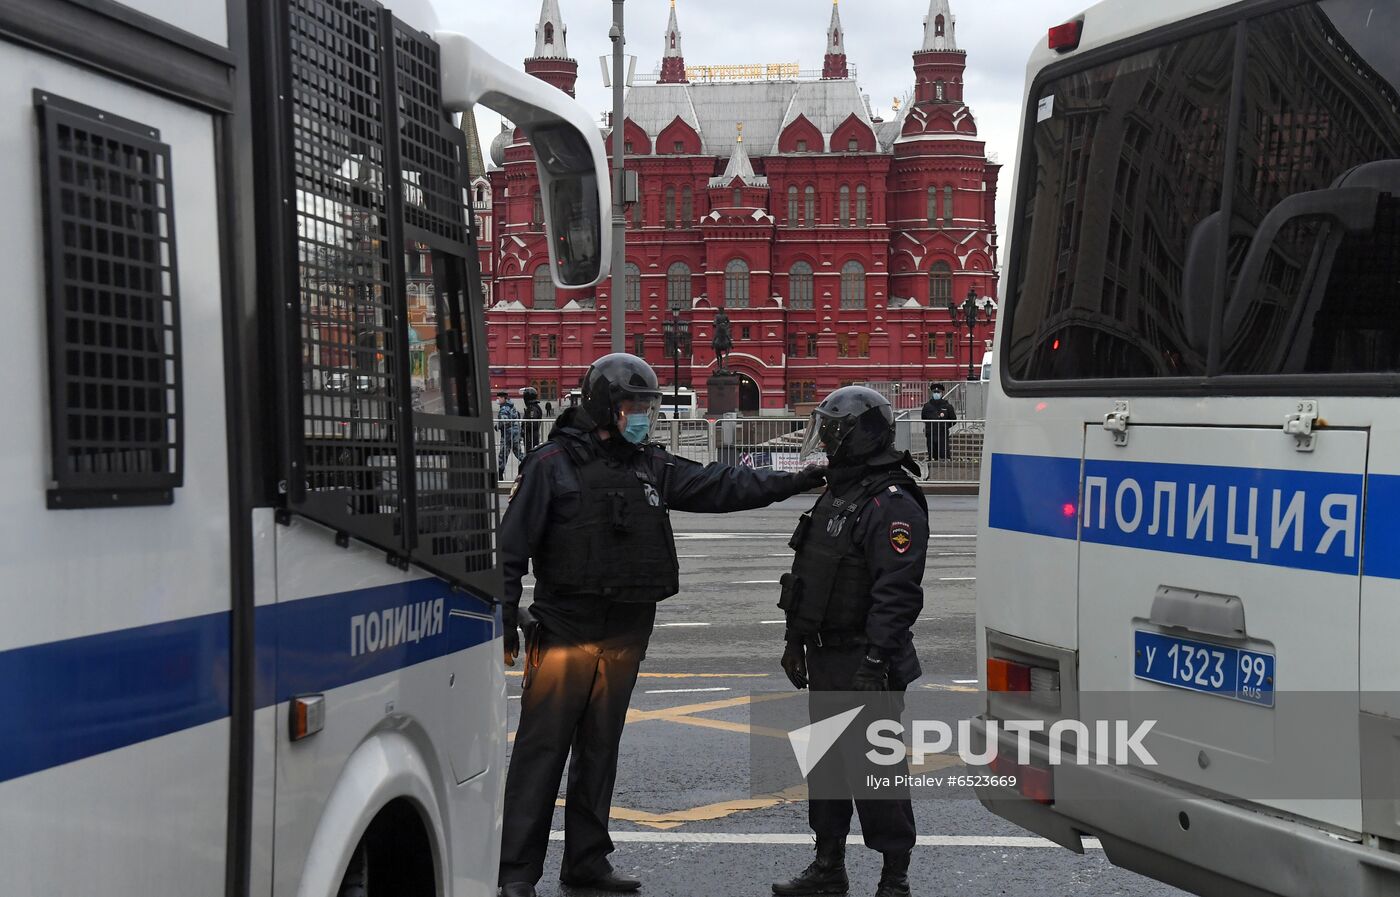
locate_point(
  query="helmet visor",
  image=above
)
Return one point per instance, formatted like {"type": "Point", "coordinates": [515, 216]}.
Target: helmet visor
{"type": "Point", "coordinates": [824, 436]}
{"type": "Point", "coordinates": [633, 409]}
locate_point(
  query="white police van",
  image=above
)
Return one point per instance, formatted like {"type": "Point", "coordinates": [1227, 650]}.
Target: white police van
{"type": "Point", "coordinates": [1192, 466]}
{"type": "Point", "coordinates": [248, 637]}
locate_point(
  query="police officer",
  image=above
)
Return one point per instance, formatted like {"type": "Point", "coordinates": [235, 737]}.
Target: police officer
{"type": "Point", "coordinates": [591, 510]}
{"type": "Point", "coordinates": [851, 599]}
{"type": "Point", "coordinates": [534, 417]}
{"type": "Point", "coordinates": [939, 415]}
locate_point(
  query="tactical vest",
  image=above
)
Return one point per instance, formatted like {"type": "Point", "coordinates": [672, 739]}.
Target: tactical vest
{"type": "Point", "coordinates": [828, 590]}
{"type": "Point", "coordinates": [619, 545]}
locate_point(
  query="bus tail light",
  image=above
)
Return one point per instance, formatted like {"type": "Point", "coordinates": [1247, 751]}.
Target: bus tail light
{"type": "Point", "coordinates": [1035, 783]}
{"type": "Point", "coordinates": [1007, 675]}
{"type": "Point", "coordinates": [1064, 38]}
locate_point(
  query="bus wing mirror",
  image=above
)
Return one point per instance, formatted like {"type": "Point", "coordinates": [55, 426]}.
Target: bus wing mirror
{"type": "Point", "coordinates": [569, 154]}
{"type": "Point", "coordinates": [1353, 209]}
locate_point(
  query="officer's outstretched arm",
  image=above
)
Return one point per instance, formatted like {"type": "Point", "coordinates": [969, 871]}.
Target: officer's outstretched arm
{"type": "Point", "coordinates": [896, 547]}
{"type": "Point", "coordinates": [720, 488]}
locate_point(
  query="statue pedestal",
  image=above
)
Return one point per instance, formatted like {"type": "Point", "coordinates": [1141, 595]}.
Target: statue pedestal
{"type": "Point", "coordinates": [721, 393]}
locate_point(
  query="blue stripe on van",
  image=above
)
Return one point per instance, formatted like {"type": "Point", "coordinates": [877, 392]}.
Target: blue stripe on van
{"type": "Point", "coordinates": [1149, 505]}
{"type": "Point", "coordinates": [67, 700]}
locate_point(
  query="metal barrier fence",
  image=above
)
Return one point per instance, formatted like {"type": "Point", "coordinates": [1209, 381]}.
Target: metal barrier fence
{"type": "Point", "coordinates": [947, 453]}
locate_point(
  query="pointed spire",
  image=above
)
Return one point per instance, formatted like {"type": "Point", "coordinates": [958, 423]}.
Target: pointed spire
{"type": "Point", "coordinates": [673, 59]}
{"type": "Point", "coordinates": [834, 65]}
{"type": "Point", "coordinates": [939, 27]}
{"type": "Point", "coordinates": [551, 35]}
{"type": "Point", "coordinates": [739, 165]}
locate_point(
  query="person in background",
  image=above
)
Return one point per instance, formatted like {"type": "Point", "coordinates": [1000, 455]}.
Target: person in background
{"type": "Point", "coordinates": [534, 417]}
{"type": "Point", "coordinates": [549, 409]}
{"type": "Point", "coordinates": [508, 429]}
{"type": "Point", "coordinates": [939, 416]}
{"type": "Point", "coordinates": [591, 513]}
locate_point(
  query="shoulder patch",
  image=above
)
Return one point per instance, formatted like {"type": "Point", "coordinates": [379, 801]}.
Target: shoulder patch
{"type": "Point", "coordinates": [900, 538]}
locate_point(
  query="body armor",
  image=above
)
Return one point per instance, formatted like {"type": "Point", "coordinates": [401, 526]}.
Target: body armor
{"type": "Point", "coordinates": [828, 591]}
{"type": "Point", "coordinates": [619, 545]}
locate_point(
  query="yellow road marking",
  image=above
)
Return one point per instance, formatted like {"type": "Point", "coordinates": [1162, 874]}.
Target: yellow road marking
{"type": "Point", "coordinates": [708, 812]}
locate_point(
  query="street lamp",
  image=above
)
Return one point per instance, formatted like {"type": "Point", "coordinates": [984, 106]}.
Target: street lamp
{"type": "Point", "coordinates": [677, 335]}
{"type": "Point", "coordinates": [967, 312]}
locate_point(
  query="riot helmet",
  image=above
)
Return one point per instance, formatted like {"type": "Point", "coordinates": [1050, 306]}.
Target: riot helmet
{"type": "Point", "coordinates": [850, 426]}
{"type": "Point", "coordinates": [530, 394]}
{"type": "Point", "coordinates": [621, 392]}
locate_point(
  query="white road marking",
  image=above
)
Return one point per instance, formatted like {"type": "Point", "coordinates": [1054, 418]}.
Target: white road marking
{"type": "Point", "coordinates": [693, 557]}
{"type": "Point", "coordinates": [957, 579]}
{"type": "Point", "coordinates": [805, 839]}
{"type": "Point", "coordinates": [770, 622]}
{"type": "Point", "coordinates": [681, 691]}
{"type": "Point", "coordinates": [756, 582]}
{"type": "Point", "coordinates": [512, 697]}
{"type": "Point", "coordinates": [964, 681]}
{"type": "Point", "coordinates": [659, 625]}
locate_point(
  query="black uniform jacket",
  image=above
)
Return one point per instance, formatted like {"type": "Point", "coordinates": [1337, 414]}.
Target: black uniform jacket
{"type": "Point", "coordinates": [548, 490]}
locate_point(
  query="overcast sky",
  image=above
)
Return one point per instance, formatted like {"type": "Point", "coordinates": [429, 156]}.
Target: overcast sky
{"type": "Point", "coordinates": [881, 36]}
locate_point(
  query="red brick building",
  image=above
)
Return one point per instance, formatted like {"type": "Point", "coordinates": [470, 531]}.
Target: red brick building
{"type": "Point", "coordinates": [833, 240]}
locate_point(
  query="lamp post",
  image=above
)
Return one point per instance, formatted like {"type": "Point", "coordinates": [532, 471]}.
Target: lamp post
{"type": "Point", "coordinates": [966, 312]}
{"type": "Point", "coordinates": [677, 335]}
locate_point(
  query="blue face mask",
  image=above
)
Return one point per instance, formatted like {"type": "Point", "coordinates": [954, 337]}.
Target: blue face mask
{"type": "Point", "coordinates": [638, 426]}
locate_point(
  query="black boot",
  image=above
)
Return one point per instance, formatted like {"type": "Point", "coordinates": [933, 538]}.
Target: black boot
{"type": "Point", "coordinates": [825, 875]}
{"type": "Point", "coordinates": [894, 877]}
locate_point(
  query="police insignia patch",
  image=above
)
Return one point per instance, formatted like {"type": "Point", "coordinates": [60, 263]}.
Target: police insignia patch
{"type": "Point", "coordinates": [900, 539]}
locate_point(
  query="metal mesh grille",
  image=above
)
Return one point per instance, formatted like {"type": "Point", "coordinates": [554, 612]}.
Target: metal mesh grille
{"type": "Point", "coordinates": [347, 308]}
{"type": "Point", "coordinates": [114, 347]}
{"type": "Point", "coordinates": [456, 494]}
{"type": "Point", "coordinates": [432, 150]}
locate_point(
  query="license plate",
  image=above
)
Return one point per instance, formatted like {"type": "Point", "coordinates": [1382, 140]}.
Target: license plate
{"type": "Point", "coordinates": [1205, 667]}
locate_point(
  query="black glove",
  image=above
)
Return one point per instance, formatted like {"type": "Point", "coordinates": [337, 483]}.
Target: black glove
{"type": "Point", "coordinates": [510, 620]}
{"type": "Point", "coordinates": [872, 675]}
{"type": "Point", "coordinates": [810, 478]}
{"type": "Point", "coordinates": [795, 663]}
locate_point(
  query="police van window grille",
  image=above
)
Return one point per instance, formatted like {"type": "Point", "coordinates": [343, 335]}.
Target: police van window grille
{"type": "Point", "coordinates": [347, 309]}
{"type": "Point", "coordinates": [456, 502]}
{"type": "Point", "coordinates": [113, 303]}
{"type": "Point", "coordinates": [432, 150]}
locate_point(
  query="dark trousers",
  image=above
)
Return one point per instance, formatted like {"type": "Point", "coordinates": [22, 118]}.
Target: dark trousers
{"type": "Point", "coordinates": [887, 824]}
{"type": "Point", "coordinates": [937, 435]}
{"type": "Point", "coordinates": [575, 704]}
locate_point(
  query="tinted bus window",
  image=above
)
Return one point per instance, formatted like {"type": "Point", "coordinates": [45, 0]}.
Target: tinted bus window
{"type": "Point", "coordinates": [1309, 293]}
{"type": "Point", "coordinates": [1125, 162]}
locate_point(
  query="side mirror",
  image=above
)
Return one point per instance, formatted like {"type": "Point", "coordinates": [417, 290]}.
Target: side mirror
{"type": "Point", "coordinates": [569, 154]}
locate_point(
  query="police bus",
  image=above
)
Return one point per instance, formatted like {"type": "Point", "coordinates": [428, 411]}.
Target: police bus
{"type": "Point", "coordinates": [249, 642]}
{"type": "Point", "coordinates": [1192, 461]}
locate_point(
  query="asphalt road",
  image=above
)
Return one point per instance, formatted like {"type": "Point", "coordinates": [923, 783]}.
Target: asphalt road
{"type": "Point", "coordinates": [684, 818]}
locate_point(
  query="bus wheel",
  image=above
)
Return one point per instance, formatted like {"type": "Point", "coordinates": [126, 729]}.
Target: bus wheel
{"type": "Point", "coordinates": [394, 858]}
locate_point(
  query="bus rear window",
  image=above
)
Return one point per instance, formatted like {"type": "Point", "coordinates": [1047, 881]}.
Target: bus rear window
{"type": "Point", "coordinates": [1124, 228]}
{"type": "Point", "coordinates": [1126, 160]}
{"type": "Point", "coordinates": [1321, 121]}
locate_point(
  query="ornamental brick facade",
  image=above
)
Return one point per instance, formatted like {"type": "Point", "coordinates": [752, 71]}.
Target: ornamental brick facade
{"type": "Point", "coordinates": [832, 239]}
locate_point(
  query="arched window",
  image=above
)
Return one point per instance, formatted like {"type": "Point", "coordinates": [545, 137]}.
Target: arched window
{"type": "Point", "coordinates": [845, 206]}
{"type": "Point", "coordinates": [543, 293]}
{"type": "Point", "coordinates": [537, 212]}
{"type": "Point", "coordinates": [809, 203]}
{"type": "Point", "coordinates": [480, 193]}
{"type": "Point", "coordinates": [794, 217]}
{"type": "Point", "coordinates": [736, 284]}
{"type": "Point", "coordinates": [637, 214]}
{"type": "Point", "coordinates": [738, 198]}
{"type": "Point", "coordinates": [670, 206]}
{"type": "Point", "coordinates": [853, 285]}
{"type": "Point", "coordinates": [938, 90]}
{"type": "Point", "coordinates": [947, 206]}
{"type": "Point", "coordinates": [932, 206]}
{"type": "Point", "coordinates": [800, 286]}
{"type": "Point", "coordinates": [938, 26]}
{"type": "Point", "coordinates": [862, 207]}
{"type": "Point", "coordinates": [678, 286]}
{"type": "Point", "coordinates": [673, 40]}
{"type": "Point", "coordinates": [687, 207]}
{"type": "Point", "coordinates": [549, 32]}
{"type": "Point", "coordinates": [940, 285]}
{"type": "Point", "coordinates": [634, 287]}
